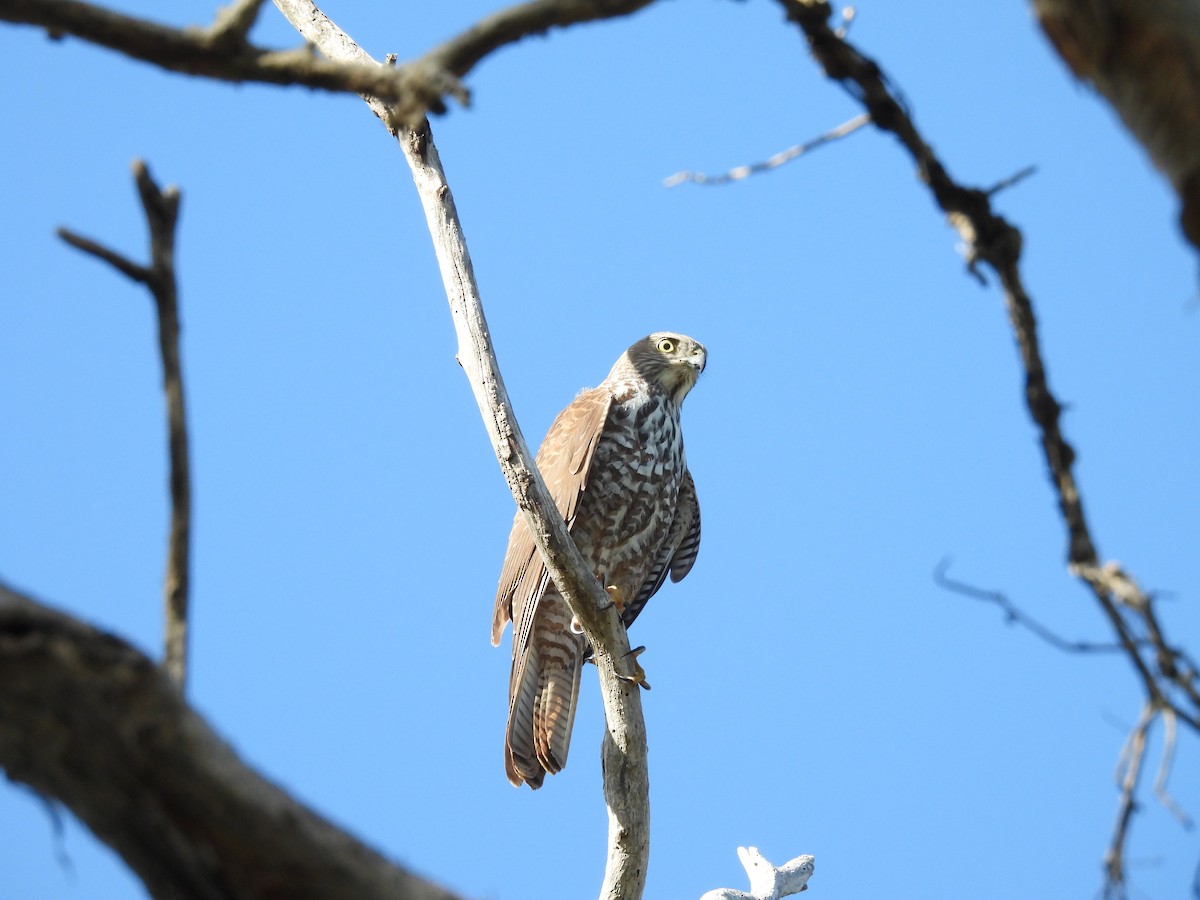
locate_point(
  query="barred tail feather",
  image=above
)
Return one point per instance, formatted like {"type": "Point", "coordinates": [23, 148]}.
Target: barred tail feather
{"type": "Point", "coordinates": [542, 710]}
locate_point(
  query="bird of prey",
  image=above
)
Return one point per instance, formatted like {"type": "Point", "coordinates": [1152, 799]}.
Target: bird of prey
{"type": "Point", "coordinates": [613, 460]}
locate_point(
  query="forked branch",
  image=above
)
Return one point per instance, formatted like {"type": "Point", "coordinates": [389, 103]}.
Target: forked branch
{"type": "Point", "coordinates": [161, 208]}
{"type": "Point", "coordinates": [223, 51]}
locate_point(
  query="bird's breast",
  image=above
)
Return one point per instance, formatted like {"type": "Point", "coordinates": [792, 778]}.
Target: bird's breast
{"type": "Point", "coordinates": [633, 487]}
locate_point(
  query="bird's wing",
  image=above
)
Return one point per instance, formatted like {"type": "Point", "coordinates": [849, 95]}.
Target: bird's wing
{"type": "Point", "coordinates": [678, 552]}
{"type": "Point", "coordinates": [564, 459]}
{"type": "Point", "coordinates": [688, 515]}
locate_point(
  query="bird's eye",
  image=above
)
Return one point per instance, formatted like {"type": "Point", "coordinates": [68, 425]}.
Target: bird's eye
{"type": "Point", "coordinates": [666, 345]}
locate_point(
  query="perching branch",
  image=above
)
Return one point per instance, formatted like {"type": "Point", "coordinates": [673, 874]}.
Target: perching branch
{"type": "Point", "coordinates": [87, 719]}
{"type": "Point", "coordinates": [1168, 675]}
{"type": "Point", "coordinates": [162, 212]}
{"type": "Point", "coordinates": [626, 783]}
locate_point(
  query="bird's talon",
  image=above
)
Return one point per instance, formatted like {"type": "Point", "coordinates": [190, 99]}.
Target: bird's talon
{"type": "Point", "coordinates": [638, 675]}
{"type": "Point", "coordinates": [617, 598]}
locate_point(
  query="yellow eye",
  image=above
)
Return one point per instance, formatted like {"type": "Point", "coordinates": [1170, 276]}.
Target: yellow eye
{"type": "Point", "coordinates": [666, 345]}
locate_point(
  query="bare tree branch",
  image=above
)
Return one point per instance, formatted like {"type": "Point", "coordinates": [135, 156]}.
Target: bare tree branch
{"type": "Point", "coordinates": [122, 264]}
{"type": "Point", "coordinates": [222, 51]}
{"type": "Point", "coordinates": [623, 756]}
{"type": "Point", "coordinates": [219, 52]}
{"type": "Point", "coordinates": [1012, 180]}
{"type": "Point", "coordinates": [462, 53]}
{"type": "Point", "coordinates": [781, 158]}
{"type": "Point", "coordinates": [1170, 734]}
{"type": "Point", "coordinates": [87, 719]}
{"type": "Point", "coordinates": [233, 22]}
{"type": "Point", "coordinates": [1015, 615]}
{"type": "Point", "coordinates": [1129, 769]}
{"type": "Point", "coordinates": [161, 208]}
{"type": "Point", "coordinates": [1167, 674]}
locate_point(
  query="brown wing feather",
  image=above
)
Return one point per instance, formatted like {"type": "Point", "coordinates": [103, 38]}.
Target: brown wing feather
{"type": "Point", "coordinates": [564, 460]}
{"type": "Point", "coordinates": [688, 516]}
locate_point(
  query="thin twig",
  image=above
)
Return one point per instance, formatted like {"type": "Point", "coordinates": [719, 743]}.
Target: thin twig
{"type": "Point", "coordinates": [463, 52]}
{"type": "Point", "coordinates": [1017, 616]}
{"type": "Point", "coordinates": [1012, 180]}
{"type": "Point", "coordinates": [233, 22]}
{"type": "Point", "coordinates": [773, 162]}
{"type": "Point", "coordinates": [1129, 769]}
{"type": "Point", "coordinates": [1170, 734]}
{"type": "Point", "coordinates": [122, 264]}
{"type": "Point", "coordinates": [161, 208]}
{"type": "Point", "coordinates": [626, 782]}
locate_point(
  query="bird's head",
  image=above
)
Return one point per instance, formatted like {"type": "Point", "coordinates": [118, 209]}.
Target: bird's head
{"type": "Point", "coordinates": [671, 361]}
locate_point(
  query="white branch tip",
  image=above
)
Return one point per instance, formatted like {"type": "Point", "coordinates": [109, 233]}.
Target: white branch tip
{"type": "Point", "coordinates": [768, 882]}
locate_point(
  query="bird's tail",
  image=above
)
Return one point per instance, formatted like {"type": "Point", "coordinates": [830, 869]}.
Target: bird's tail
{"type": "Point", "coordinates": [541, 707]}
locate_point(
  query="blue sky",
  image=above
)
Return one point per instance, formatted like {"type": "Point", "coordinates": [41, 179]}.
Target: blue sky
{"type": "Point", "coordinates": [860, 419]}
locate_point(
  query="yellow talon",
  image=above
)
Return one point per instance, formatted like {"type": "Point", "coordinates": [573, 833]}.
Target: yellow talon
{"type": "Point", "coordinates": [638, 675]}
{"type": "Point", "coordinates": [618, 599]}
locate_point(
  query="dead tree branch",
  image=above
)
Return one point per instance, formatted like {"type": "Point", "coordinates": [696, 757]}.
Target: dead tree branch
{"type": "Point", "coordinates": [783, 157]}
{"type": "Point", "coordinates": [1168, 676]}
{"type": "Point", "coordinates": [1129, 771]}
{"type": "Point", "coordinates": [1017, 616]}
{"type": "Point", "coordinates": [623, 757]}
{"type": "Point", "coordinates": [89, 720]}
{"type": "Point", "coordinates": [222, 51]}
{"type": "Point", "coordinates": [462, 53]}
{"type": "Point", "coordinates": [162, 212]}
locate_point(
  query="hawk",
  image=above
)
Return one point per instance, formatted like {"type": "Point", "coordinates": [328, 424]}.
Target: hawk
{"type": "Point", "coordinates": [613, 460]}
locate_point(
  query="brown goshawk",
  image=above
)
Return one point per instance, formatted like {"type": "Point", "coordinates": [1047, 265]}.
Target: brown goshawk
{"type": "Point", "coordinates": [613, 460]}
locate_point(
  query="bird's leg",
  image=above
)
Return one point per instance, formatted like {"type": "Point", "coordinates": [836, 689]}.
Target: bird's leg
{"type": "Point", "coordinates": [616, 597]}
{"type": "Point", "coordinates": [638, 675]}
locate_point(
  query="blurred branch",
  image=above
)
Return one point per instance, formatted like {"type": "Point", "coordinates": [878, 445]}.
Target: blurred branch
{"type": "Point", "coordinates": [87, 719]}
{"type": "Point", "coordinates": [462, 53]}
{"type": "Point", "coordinates": [1170, 733]}
{"type": "Point", "coordinates": [161, 208]}
{"type": "Point", "coordinates": [1141, 56]}
{"type": "Point", "coordinates": [1011, 181]}
{"type": "Point", "coordinates": [1129, 770]}
{"type": "Point", "coordinates": [773, 162]}
{"type": "Point", "coordinates": [1016, 616]}
{"type": "Point", "coordinates": [219, 51]}
{"type": "Point", "coordinates": [233, 22]}
{"type": "Point", "coordinates": [1167, 673]}
{"type": "Point", "coordinates": [222, 51]}
{"type": "Point", "coordinates": [623, 756]}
